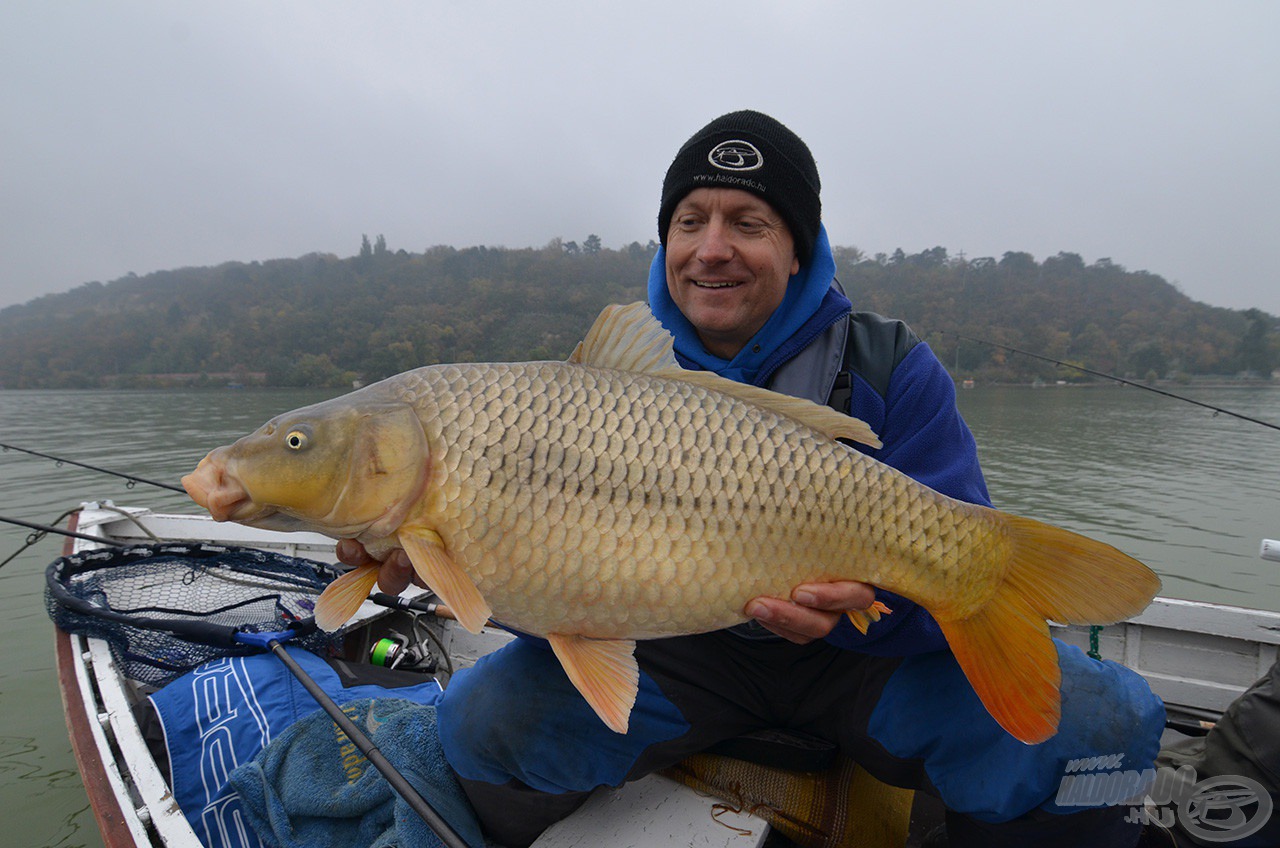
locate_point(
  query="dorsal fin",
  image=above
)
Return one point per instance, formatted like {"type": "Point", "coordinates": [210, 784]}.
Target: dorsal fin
{"type": "Point", "coordinates": [629, 338]}
{"type": "Point", "coordinates": [824, 419]}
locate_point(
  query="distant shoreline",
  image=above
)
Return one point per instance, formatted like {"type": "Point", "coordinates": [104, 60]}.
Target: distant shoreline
{"type": "Point", "coordinates": [977, 383]}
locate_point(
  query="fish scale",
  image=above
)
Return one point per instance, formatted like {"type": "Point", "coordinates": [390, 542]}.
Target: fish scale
{"type": "Point", "coordinates": [617, 497]}
{"type": "Point", "coordinates": [644, 493]}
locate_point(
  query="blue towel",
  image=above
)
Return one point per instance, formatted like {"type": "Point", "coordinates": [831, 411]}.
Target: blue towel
{"type": "Point", "coordinates": [221, 715]}
{"type": "Point", "coordinates": [311, 787]}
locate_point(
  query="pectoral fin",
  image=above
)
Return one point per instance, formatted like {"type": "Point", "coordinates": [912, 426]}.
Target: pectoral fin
{"type": "Point", "coordinates": [341, 598]}
{"type": "Point", "coordinates": [444, 577]}
{"type": "Point", "coordinates": [605, 672]}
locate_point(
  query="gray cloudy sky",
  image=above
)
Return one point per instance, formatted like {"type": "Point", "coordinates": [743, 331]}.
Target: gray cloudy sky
{"type": "Point", "coordinates": [140, 136]}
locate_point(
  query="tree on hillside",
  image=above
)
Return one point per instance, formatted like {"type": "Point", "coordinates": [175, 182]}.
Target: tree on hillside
{"type": "Point", "coordinates": [321, 319]}
{"type": "Point", "coordinates": [1256, 355]}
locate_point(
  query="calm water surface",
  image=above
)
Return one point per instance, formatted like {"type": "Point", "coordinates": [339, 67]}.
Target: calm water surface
{"type": "Point", "coordinates": [156, 435]}
{"type": "Point", "coordinates": [1189, 493]}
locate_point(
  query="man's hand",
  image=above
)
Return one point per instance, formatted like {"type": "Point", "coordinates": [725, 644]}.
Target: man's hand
{"type": "Point", "coordinates": [394, 575]}
{"type": "Point", "coordinates": [813, 611]}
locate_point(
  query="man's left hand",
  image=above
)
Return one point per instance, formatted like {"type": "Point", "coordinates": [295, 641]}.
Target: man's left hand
{"type": "Point", "coordinates": [813, 611]}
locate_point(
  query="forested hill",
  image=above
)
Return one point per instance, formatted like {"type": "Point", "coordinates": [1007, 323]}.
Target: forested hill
{"type": "Point", "coordinates": [325, 320]}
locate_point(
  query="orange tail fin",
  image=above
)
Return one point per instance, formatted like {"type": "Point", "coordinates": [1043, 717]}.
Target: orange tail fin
{"type": "Point", "coordinates": [1004, 648]}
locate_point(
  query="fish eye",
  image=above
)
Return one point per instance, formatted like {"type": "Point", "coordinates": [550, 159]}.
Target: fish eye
{"type": "Point", "coordinates": [296, 440]}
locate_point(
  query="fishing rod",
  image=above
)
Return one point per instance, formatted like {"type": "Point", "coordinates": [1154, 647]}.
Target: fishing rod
{"type": "Point", "coordinates": [45, 529]}
{"type": "Point", "coordinates": [1105, 376]}
{"type": "Point", "coordinates": [39, 531]}
{"type": "Point", "coordinates": [132, 479]}
{"type": "Point", "coordinates": [436, 822]}
{"type": "Point", "coordinates": [81, 589]}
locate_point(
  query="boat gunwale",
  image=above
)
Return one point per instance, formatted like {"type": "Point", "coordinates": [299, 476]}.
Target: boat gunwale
{"type": "Point", "coordinates": [119, 827]}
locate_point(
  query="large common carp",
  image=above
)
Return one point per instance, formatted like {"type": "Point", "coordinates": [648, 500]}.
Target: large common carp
{"type": "Point", "coordinates": [617, 497]}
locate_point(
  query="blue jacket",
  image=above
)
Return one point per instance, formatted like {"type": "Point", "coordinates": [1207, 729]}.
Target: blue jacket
{"type": "Point", "coordinates": [906, 396]}
{"type": "Point", "coordinates": [898, 387]}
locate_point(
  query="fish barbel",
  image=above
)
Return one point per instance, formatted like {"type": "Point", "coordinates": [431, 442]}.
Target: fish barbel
{"type": "Point", "coordinates": [617, 497]}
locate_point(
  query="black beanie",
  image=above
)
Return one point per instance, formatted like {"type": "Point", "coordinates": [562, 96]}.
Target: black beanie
{"type": "Point", "coordinates": [750, 151]}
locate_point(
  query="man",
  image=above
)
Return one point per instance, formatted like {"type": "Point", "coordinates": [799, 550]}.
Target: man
{"type": "Point", "coordinates": [1234, 771]}
{"type": "Point", "coordinates": [745, 283]}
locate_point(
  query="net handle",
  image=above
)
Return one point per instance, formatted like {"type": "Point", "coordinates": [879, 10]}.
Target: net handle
{"type": "Point", "coordinates": [222, 635]}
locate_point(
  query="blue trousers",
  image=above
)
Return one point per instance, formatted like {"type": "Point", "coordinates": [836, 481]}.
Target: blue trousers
{"type": "Point", "coordinates": [528, 749]}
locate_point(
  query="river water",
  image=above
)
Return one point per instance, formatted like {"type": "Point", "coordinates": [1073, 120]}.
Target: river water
{"type": "Point", "coordinates": [1189, 492]}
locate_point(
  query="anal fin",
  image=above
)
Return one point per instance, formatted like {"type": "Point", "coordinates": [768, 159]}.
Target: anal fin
{"type": "Point", "coordinates": [604, 671]}
{"type": "Point", "coordinates": [864, 618]}
{"type": "Point", "coordinates": [445, 577]}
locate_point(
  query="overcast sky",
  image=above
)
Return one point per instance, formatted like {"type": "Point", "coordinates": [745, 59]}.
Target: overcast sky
{"type": "Point", "coordinates": [143, 136]}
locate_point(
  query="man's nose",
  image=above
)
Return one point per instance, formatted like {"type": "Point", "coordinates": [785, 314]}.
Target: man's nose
{"type": "Point", "coordinates": [715, 245]}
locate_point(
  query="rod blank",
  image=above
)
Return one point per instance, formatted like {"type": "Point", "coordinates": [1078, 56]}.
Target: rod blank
{"type": "Point", "coordinates": [131, 478]}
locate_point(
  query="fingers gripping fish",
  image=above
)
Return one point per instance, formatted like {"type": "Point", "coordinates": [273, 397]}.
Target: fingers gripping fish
{"type": "Point", "coordinates": [617, 497]}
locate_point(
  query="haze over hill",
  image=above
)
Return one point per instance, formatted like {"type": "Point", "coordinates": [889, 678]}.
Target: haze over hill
{"type": "Point", "coordinates": [141, 136]}
{"type": "Point", "coordinates": [325, 320]}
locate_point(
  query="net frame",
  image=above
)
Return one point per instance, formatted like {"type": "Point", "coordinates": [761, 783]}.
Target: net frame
{"type": "Point", "coordinates": [167, 608]}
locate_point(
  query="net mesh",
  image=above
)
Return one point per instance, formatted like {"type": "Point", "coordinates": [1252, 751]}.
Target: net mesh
{"type": "Point", "coordinates": [167, 608]}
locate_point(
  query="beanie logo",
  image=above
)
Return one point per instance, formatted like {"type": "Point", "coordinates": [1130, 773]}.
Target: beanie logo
{"type": "Point", "coordinates": [735, 155]}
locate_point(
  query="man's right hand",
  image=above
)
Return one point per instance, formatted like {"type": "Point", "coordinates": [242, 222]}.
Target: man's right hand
{"type": "Point", "coordinates": [395, 573]}
{"type": "Point", "coordinates": [814, 609]}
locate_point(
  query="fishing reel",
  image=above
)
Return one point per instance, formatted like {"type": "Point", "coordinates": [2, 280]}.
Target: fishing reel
{"type": "Point", "coordinates": [397, 651]}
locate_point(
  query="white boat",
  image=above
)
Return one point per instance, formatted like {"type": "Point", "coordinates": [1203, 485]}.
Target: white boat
{"type": "Point", "coordinates": [132, 800]}
{"type": "Point", "coordinates": [1198, 657]}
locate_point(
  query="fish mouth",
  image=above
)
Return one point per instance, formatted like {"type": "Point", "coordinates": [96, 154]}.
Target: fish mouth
{"type": "Point", "coordinates": [211, 486]}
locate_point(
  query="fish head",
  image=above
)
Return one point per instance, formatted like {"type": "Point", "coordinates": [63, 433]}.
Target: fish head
{"type": "Point", "coordinates": [340, 468]}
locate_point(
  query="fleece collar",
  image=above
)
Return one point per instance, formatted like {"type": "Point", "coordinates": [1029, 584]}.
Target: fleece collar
{"type": "Point", "coordinates": [805, 292]}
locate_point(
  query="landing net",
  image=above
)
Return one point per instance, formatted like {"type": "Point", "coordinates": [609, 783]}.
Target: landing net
{"type": "Point", "coordinates": [167, 608]}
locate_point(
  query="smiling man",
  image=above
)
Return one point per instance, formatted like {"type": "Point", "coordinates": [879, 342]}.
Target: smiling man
{"type": "Point", "coordinates": [729, 257]}
{"type": "Point", "coordinates": [745, 282]}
